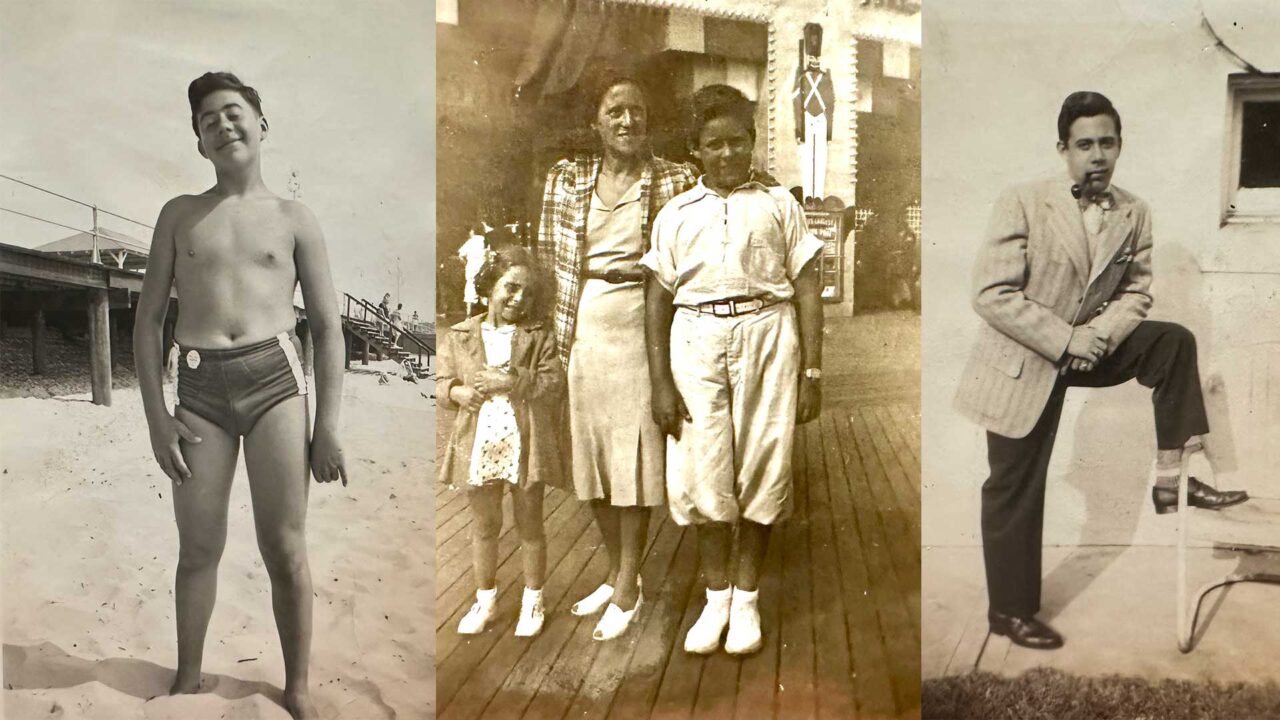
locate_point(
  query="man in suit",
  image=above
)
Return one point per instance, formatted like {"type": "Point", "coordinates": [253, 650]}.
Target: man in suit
{"type": "Point", "coordinates": [1063, 282]}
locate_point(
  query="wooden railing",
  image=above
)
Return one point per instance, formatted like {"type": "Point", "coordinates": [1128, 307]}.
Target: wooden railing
{"type": "Point", "coordinates": [355, 308]}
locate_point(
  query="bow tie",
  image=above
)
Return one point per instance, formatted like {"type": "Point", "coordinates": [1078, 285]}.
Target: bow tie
{"type": "Point", "coordinates": [1104, 200]}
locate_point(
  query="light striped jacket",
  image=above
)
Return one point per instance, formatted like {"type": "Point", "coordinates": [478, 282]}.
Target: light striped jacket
{"type": "Point", "coordinates": [562, 229]}
{"type": "Point", "coordinates": [1033, 282]}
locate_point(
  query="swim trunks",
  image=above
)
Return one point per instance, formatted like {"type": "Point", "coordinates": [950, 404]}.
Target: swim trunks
{"type": "Point", "coordinates": [234, 387]}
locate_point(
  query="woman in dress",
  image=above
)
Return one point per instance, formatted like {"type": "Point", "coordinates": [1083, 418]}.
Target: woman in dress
{"type": "Point", "coordinates": [597, 211]}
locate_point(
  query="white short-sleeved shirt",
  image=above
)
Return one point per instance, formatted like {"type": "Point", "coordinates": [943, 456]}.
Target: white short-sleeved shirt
{"type": "Point", "coordinates": [752, 243]}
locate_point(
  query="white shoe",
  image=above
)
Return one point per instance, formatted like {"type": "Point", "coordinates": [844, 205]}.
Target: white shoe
{"type": "Point", "coordinates": [481, 612]}
{"type": "Point", "coordinates": [592, 603]}
{"type": "Point", "coordinates": [704, 636]}
{"type": "Point", "coordinates": [531, 614]}
{"type": "Point", "coordinates": [744, 624]}
{"type": "Point", "coordinates": [616, 621]}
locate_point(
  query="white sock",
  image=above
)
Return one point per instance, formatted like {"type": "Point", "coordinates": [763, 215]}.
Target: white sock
{"type": "Point", "coordinates": [743, 598]}
{"type": "Point", "coordinates": [487, 596]}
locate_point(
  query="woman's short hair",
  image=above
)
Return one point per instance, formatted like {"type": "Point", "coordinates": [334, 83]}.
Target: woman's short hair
{"type": "Point", "coordinates": [498, 262]}
{"type": "Point", "coordinates": [1084, 103]}
{"type": "Point", "coordinates": [599, 85]}
{"type": "Point", "coordinates": [717, 101]}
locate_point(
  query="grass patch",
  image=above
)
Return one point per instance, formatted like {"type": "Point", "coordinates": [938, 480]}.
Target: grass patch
{"type": "Point", "coordinates": [1047, 694]}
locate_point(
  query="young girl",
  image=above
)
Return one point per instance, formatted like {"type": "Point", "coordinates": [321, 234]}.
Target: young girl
{"type": "Point", "coordinates": [502, 374]}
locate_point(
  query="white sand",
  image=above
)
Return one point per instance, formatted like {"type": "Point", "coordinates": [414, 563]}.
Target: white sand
{"type": "Point", "coordinates": [89, 548]}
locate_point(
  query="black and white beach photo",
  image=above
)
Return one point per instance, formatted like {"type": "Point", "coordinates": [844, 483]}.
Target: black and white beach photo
{"type": "Point", "coordinates": [216, 304]}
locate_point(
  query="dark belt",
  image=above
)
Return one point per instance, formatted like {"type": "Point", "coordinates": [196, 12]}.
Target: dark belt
{"type": "Point", "coordinates": [735, 307]}
{"type": "Point", "coordinates": [592, 275]}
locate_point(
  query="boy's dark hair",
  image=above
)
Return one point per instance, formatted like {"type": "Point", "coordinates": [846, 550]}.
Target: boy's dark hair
{"type": "Point", "coordinates": [717, 101]}
{"type": "Point", "coordinates": [212, 82]}
{"type": "Point", "coordinates": [1084, 103]}
{"type": "Point", "coordinates": [498, 262]}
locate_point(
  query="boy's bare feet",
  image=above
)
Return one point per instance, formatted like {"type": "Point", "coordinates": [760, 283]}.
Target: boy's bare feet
{"type": "Point", "coordinates": [299, 705]}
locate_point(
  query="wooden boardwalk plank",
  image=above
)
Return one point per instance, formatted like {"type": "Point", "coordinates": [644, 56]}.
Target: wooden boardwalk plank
{"type": "Point", "coordinates": [907, 454]}
{"type": "Point", "coordinates": [901, 535]}
{"type": "Point", "coordinates": [455, 586]}
{"type": "Point", "coordinates": [758, 678]}
{"type": "Point", "coordinates": [840, 595]}
{"type": "Point", "coordinates": [841, 579]}
{"type": "Point", "coordinates": [834, 661]}
{"type": "Point", "coordinates": [797, 696]}
{"type": "Point", "coordinates": [907, 420]}
{"type": "Point", "coordinates": [659, 634]}
{"type": "Point", "coordinates": [564, 528]}
{"type": "Point", "coordinates": [883, 585]}
{"type": "Point", "coordinates": [905, 485]}
{"type": "Point", "coordinates": [505, 655]}
{"type": "Point", "coordinates": [597, 695]}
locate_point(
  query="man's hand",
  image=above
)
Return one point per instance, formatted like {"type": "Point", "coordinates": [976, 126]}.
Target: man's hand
{"type": "Point", "coordinates": [1086, 344]}
{"type": "Point", "coordinates": [810, 401]}
{"type": "Point", "coordinates": [467, 397]}
{"type": "Point", "coordinates": [669, 410]}
{"type": "Point", "coordinates": [326, 457]}
{"type": "Point", "coordinates": [1080, 365]}
{"type": "Point", "coordinates": [164, 444]}
{"type": "Point", "coordinates": [492, 381]}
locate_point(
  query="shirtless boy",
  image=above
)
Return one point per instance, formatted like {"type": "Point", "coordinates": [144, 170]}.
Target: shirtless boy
{"type": "Point", "coordinates": [235, 253]}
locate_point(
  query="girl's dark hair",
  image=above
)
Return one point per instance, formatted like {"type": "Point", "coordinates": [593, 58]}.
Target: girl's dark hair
{"type": "Point", "coordinates": [716, 101]}
{"type": "Point", "coordinates": [212, 82]}
{"type": "Point", "coordinates": [1084, 104]}
{"type": "Point", "coordinates": [498, 262]}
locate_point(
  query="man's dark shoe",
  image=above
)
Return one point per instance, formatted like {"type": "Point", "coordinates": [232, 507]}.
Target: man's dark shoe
{"type": "Point", "coordinates": [1199, 495]}
{"type": "Point", "coordinates": [1027, 632]}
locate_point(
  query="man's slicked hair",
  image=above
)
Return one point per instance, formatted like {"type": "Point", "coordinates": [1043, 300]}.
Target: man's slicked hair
{"type": "Point", "coordinates": [212, 82]}
{"type": "Point", "coordinates": [1084, 103]}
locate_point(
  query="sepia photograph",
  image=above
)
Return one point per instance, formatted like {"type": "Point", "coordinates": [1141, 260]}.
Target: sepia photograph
{"type": "Point", "coordinates": [217, 360]}
{"type": "Point", "coordinates": [678, 305]}
{"type": "Point", "coordinates": [1100, 507]}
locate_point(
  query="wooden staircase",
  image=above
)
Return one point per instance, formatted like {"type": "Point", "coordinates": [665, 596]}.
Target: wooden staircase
{"type": "Point", "coordinates": [363, 322]}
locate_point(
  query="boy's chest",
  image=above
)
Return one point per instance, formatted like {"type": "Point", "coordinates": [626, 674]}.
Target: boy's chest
{"type": "Point", "coordinates": [241, 235]}
{"type": "Point", "coordinates": [729, 227]}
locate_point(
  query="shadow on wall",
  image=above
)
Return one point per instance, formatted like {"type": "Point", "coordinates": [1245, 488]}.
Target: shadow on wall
{"type": "Point", "coordinates": [1107, 457]}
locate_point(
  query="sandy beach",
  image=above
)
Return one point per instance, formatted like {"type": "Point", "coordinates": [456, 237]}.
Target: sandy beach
{"type": "Point", "coordinates": [89, 549]}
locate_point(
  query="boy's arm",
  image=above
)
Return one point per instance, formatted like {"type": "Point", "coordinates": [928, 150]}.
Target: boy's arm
{"type": "Point", "coordinates": [659, 309]}
{"type": "Point", "coordinates": [148, 353]}
{"type": "Point", "coordinates": [312, 262]}
{"type": "Point", "coordinates": [808, 298]}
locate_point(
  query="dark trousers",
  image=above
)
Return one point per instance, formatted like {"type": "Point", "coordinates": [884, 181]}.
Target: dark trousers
{"type": "Point", "coordinates": [1161, 356]}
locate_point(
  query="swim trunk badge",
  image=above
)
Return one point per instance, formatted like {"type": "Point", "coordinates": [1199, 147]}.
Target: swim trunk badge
{"type": "Point", "coordinates": [193, 359]}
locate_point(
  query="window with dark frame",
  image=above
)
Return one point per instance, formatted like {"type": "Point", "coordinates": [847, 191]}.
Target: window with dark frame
{"type": "Point", "coordinates": [1260, 144]}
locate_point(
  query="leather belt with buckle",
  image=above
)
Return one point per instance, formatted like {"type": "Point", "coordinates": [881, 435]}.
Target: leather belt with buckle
{"type": "Point", "coordinates": [734, 308]}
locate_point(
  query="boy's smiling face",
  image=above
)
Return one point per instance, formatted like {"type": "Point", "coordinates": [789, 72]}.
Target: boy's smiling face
{"type": "Point", "coordinates": [231, 131]}
{"type": "Point", "coordinates": [724, 148]}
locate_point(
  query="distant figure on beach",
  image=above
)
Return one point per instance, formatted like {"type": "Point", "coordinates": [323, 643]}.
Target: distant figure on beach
{"type": "Point", "coordinates": [235, 253]}
{"type": "Point", "coordinates": [501, 373]}
{"type": "Point", "coordinates": [395, 324]}
{"type": "Point", "coordinates": [472, 254]}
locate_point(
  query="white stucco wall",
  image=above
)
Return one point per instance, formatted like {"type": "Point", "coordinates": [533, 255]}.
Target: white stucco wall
{"type": "Point", "coordinates": [995, 75]}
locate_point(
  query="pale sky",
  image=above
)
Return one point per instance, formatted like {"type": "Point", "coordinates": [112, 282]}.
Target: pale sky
{"type": "Point", "coordinates": [95, 108]}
